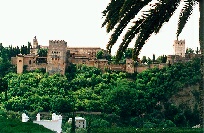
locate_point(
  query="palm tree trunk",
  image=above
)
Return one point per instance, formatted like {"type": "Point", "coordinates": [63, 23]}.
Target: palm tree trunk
{"type": "Point", "coordinates": [201, 40]}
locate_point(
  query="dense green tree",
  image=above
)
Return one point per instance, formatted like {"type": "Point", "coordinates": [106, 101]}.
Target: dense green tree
{"type": "Point", "coordinates": [128, 53]}
{"type": "Point", "coordinates": [103, 55]}
{"type": "Point", "coordinates": [162, 59]}
{"type": "Point", "coordinates": [4, 86]}
{"type": "Point", "coordinates": [149, 61]}
{"type": "Point", "coordinates": [5, 67]}
{"type": "Point", "coordinates": [70, 71]}
{"type": "Point", "coordinates": [100, 54]}
{"type": "Point", "coordinates": [144, 59]}
{"type": "Point", "coordinates": [120, 99]}
{"type": "Point", "coordinates": [153, 58]}
{"type": "Point", "coordinates": [189, 51]}
{"type": "Point", "coordinates": [87, 100]}
{"type": "Point", "coordinates": [197, 51]}
{"type": "Point", "coordinates": [42, 52]}
{"type": "Point", "coordinates": [7, 52]}
{"type": "Point", "coordinates": [29, 47]}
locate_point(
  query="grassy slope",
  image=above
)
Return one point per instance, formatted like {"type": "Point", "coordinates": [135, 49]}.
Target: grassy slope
{"type": "Point", "coordinates": [16, 126]}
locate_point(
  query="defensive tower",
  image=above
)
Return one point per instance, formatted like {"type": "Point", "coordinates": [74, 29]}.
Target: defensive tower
{"type": "Point", "coordinates": [57, 57]}
{"type": "Point", "coordinates": [179, 47]}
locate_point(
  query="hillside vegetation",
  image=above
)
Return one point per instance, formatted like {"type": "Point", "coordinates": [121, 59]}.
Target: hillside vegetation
{"type": "Point", "coordinates": [146, 99]}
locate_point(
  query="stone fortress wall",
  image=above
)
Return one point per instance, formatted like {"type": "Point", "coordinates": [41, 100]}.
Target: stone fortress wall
{"type": "Point", "coordinates": [60, 55]}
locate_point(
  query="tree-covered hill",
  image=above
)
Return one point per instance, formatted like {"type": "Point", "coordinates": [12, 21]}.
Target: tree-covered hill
{"type": "Point", "coordinates": [140, 102]}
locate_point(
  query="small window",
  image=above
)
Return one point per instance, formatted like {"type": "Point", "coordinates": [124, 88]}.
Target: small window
{"type": "Point", "coordinates": [20, 60]}
{"type": "Point", "coordinates": [29, 61]}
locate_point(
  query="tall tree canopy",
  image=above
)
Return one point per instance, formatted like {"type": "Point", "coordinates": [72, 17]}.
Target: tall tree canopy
{"type": "Point", "coordinates": [120, 13]}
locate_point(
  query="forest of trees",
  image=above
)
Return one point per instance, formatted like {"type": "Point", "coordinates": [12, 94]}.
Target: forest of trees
{"type": "Point", "coordinates": [123, 99]}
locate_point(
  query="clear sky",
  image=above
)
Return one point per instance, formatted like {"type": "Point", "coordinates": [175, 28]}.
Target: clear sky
{"type": "Point", "coordinates": [79, 23]}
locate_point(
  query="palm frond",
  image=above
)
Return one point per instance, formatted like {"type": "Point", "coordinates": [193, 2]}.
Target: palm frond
{"type": "Point", "coordinates": [112, 14]}
{"type": "Point", "coordinates": [131, 33]}
{"type": "Point", "coordinates": [119, 14]}
{"type": "Point", "coordinates": [185, 14]}
{"type": "Point", "coordinates": [128, 11]}
{"type": "Point", "coordinates": [152, 24]}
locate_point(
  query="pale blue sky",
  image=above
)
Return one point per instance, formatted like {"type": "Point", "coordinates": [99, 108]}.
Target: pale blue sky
{"type": "Point", "coordinates": [79, 23]}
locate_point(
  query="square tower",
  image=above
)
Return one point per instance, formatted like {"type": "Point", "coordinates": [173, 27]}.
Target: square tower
{"type": "Point", "coordinates": [57, 57]}
{"type": "Point", "coordinates": [130, 66]}
{"type": "Point", "coordinates": [34, 49]}
{"type": "Point", "coordinates": [179, 47]}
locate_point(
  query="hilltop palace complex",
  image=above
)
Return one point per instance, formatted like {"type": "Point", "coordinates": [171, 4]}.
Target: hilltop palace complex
{"type": "Point", "coordinates": [59, 56]}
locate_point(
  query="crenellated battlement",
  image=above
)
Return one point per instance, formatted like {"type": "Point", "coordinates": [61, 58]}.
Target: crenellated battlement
{"type": "Point", "coordinates": [57, 41]}
{"type": "Point", "coordinates": [179, 41]}
{"type": "Point", "coordinates": [58, 44]}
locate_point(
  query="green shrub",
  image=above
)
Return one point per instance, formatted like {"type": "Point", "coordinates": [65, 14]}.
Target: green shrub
{"type": "Point", "coordinates": [167, 124]}
{"type": "Point", "coordinates": [148, 125]}
{"type": "Point", "coordinates": [100, 123]}
{"type": "Point", "coordinates": [146, 130]}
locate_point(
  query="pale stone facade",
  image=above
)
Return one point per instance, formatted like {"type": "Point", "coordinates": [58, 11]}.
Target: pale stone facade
{"type": "Point", "coordinates": [57, 57]}
{"type": "Point", "coordinates": [179, 47]}
{"type": "Point", "coordinates": [20, 63]}
{"type": "Point", "coordinates": [83, 52]}
{"type": "Point", "coordinates": [79, 122]}
{"type": "Point", "coordinates": [130, 66]}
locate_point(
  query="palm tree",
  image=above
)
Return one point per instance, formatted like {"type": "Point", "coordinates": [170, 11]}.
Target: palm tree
{"type": "Point", "coordinates": [120, 13]}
